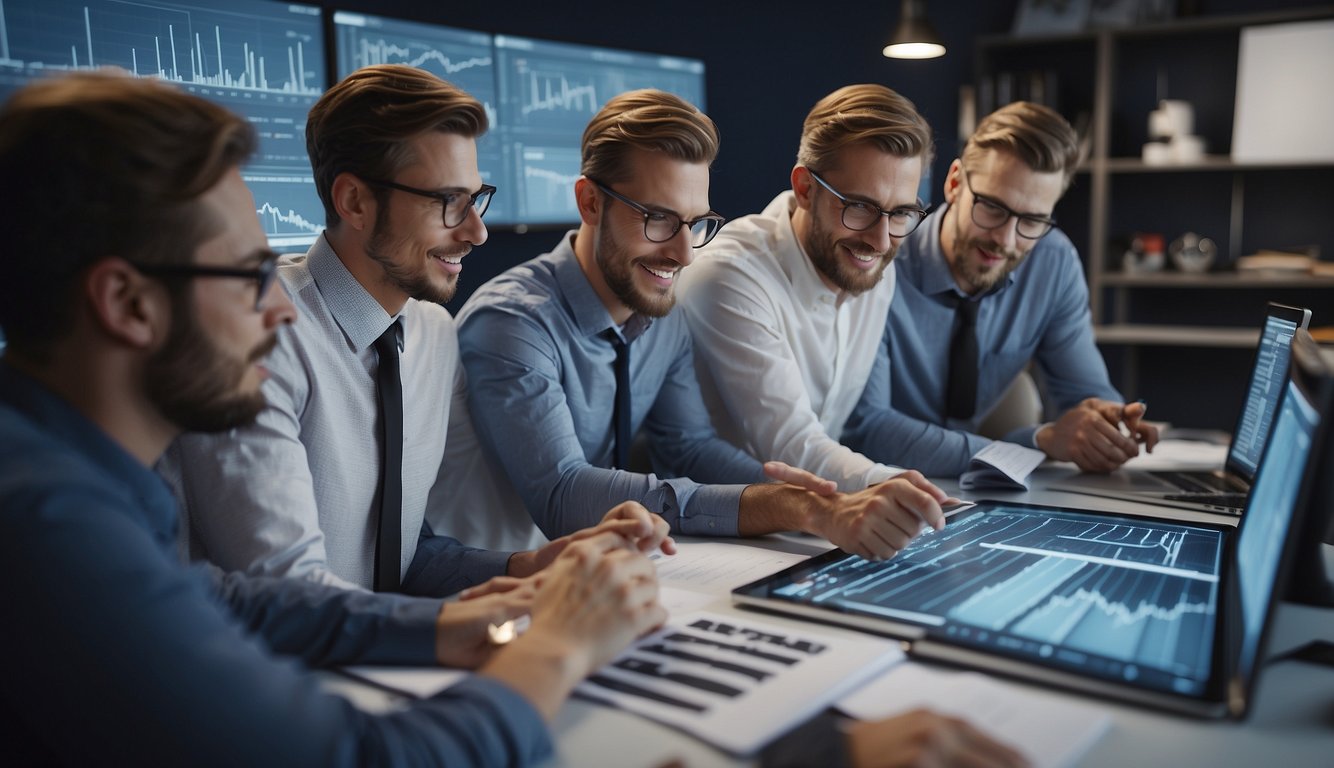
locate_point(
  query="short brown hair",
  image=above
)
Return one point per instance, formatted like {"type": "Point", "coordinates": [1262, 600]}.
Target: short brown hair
{"type": "Point", "coordinates": [102, 164]}
{"type": "Point", "coordinates": [363, 125]}
{"type": "Point", "coordinates": [650, 120]}
{"type": "Point", "coordinates": [1038, 135]}
{"type": "Point", "coordinates": [863, 113]}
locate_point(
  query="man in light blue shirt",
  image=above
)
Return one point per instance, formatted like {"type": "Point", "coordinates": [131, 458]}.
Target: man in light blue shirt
{"type": "Point", "coordinates": [993, 253]}
{"type": "Point", "coordinates": [540, 345]}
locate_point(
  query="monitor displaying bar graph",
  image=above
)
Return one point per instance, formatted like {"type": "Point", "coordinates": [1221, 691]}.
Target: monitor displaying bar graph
{"type": "Point", "coordinates": [263, 60]}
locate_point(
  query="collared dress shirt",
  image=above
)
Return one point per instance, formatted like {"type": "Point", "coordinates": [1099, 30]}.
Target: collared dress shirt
{"type": "Point", "coordinates": [1040, 312]}
{"type": "Point", "coordinates": [781, 361]}
{"type": "Point", "coordinates": [116, 653]}
{"type": "Point", "coordinates": [541, 387]}
{"type": "Point", "coordinates": [293, 495]}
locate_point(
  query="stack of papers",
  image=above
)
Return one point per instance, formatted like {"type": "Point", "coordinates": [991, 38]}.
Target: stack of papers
{"type": "Point", "coordinates": [1001, 465]}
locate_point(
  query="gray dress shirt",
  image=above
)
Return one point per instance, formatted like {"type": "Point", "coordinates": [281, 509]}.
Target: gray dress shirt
{"type": "Point", "coordinates": [292, 495]}
{"type": "Point", "coordinates": [1040, 312]}
{"type": "Point", "coordinates": [536, 344]}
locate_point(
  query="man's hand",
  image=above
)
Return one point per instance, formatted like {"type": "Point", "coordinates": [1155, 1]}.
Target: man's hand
{"type": "Point", "coordinates": [878, 522]}
{"type": "Point", "coordinates": [642, 529]}
{"type": "Point", "coordinates": [1090, 435]}
{"type": "Point", "coordinates": [461, 637]}
{"type": "Point", "coordinates": [785, 473]}
{"type": "Point", "coordinates": [598, 596]}
{"type": "Point", "coordinates": [923, 738]}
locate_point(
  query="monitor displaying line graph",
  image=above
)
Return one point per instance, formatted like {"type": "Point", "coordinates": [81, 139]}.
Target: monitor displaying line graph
{"type": "Point", "coordinates": [263, 60]}
{"type": "Point", "coordinates": [1119, 598]}
{"type": "Point", "coordinates": [548, 91]}
{"type": "Point", "coordinates": [460, 56]}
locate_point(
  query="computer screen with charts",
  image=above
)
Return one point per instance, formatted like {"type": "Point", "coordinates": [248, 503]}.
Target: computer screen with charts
{"type": "Point", "coordinates": [263, 60]}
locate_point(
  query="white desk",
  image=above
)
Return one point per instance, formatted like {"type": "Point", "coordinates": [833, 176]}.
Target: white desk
{"type": "Point", "coordinates": [1291, 725]}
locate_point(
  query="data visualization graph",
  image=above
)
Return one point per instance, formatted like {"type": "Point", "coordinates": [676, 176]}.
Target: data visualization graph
{"type": "Point", "coordinates": [547, 94]}
{"type": "Point", "coordinates": [462, 57]}
{"type": "Point", "coordinates": [1267, 381]}
{"type": "Point", "coordinates": [1113, 597]}
{"type": "Point", "coordinates": [263, 60]}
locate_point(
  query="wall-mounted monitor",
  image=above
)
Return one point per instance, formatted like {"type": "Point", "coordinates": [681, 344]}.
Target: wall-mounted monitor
{"type": "Point", "coordinates": [548, 92]}
{"type": "Point", "coordinates": [263, 60]}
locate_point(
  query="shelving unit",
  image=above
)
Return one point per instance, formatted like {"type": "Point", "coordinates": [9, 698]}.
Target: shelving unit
{"type": "Point", "coordinates": [1110, 78]}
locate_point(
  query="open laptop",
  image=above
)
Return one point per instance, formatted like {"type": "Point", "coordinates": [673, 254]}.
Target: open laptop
{"type": "Point", "coordinates": [1217, 490]}
{"type": "Point", "coordinates": [1155, 612]}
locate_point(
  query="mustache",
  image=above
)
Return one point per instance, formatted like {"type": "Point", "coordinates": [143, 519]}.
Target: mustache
{"type": "Point", "coordinates": [263, 349]}
{"type": "Point", "coordinates": [990, 247]}
{"type": "Point", "coordinates": [460, 252]}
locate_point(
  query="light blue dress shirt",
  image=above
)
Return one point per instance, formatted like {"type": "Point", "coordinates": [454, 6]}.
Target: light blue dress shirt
{"type": "Point", "coordinates": [1040, 312]}
{"type": "Point", "coordinates": [115, 653]}
{"type": "Point", "coordinates": [542, 385]}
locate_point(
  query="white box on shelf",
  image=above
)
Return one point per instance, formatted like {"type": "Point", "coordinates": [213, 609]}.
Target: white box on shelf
{"type": "Point", "coordinates": [1282, 113]}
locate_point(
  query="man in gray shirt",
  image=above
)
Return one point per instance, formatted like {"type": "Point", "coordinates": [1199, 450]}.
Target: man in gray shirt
{"type": "Point", "coordinates": [542, 344]}
{"type": "Point", "coordinates": [301, 493]}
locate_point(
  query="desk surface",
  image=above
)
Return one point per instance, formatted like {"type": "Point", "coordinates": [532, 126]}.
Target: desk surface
{"type": "Point", "coordinates": [1291, 724]}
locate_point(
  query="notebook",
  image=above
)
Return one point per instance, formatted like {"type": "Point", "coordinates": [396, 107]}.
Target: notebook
{"type": "Point", "coordinates": [1219, 490]}
{"type": "Point", "coordinates": [1154, 612]}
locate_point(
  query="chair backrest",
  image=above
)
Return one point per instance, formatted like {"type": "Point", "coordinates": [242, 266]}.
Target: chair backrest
{"type": "Point", "coordinates": [1020, 406]}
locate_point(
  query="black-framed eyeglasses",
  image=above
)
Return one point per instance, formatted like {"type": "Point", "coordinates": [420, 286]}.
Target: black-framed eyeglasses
{"type": "Point", "coordinates": [454, 205]}
{"type": "Point", "coordinates": [990, 214]}
{"type": "Point", "coordinates": [860, 216]}
{"type": "Point", "coordinates": [661, 226]}
{"type": "Point", "coordinates": [263, 274]}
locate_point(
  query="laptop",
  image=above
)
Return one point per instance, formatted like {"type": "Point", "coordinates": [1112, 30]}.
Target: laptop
{"type": "Point", "coordinates": [1154, 612]}
{"type": "Point", "coordinates": [1223, 490]}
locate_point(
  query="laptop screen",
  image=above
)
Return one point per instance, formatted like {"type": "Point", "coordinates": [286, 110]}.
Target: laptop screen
{"type": "Point", "coordinates": [1268, 518]}
{"type": "Point", "coordinates": [1267, 380]}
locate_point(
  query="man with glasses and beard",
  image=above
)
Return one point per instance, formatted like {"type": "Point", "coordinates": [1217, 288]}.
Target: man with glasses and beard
{"type": "Point", "coordinates": [786, 306]}
{"type": "Point", "coordinates": [138, 296]}
{"type": "Point", "coordinates": [986, 285]}
{"type": "Point", "coordinates": [570, 354]}
{"type": "Point", "coordinates": [331, 483]}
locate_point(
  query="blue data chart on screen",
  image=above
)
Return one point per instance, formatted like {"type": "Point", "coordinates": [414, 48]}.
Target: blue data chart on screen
{"type": "Point", "coordinates": [462, 57]}
{"type": "Point", "coordinates": [1113, 598]}
{"type": "Point", "coordinates": [1267, 380]}
{"type": "Point", "coordinates": [263, 60]}
{"type": "Point", "coordinates": [548, 92]}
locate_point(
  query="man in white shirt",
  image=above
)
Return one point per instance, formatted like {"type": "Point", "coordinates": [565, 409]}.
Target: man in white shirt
{"type": "Point", "coordinates": [787, 306]}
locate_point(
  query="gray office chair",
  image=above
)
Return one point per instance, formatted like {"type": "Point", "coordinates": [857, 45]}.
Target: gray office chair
{"type": "Point", "coordinates": [1020, 406]}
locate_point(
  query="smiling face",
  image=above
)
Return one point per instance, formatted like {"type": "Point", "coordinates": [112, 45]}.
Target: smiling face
{"type": "Point", "coordinates": [980, 258]}
{"type": "Point", "coordinates": [848, 260]}
{"type": "Point", "coordinates": [415, 254]}
{"type": "Point", "coordinates": [207, 375]}
{"type": "Point", "coordinates": [629, 273]}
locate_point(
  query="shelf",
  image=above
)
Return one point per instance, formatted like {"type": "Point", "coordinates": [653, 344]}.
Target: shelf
{"type": "Point", "coordinates": [1210, 163]}
{"type": "Point", "coordinates": [1177, 336]}
{"type": "Point", "coordinates": [1261, 279]}
{"type": "Point", "coordinates": [1183, 26]}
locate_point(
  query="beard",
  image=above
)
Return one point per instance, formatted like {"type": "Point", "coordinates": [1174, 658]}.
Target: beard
{"type": "Point", "coordinates": [822, 248]}
{"type": "Point", "coordinates": [415, 282]}
{"type": "Point", "coordinates": [618, 270]}
{"type": "Point", "coordinates": [978, 278]}
{"type": "Point", "coordinates": [195, 385]}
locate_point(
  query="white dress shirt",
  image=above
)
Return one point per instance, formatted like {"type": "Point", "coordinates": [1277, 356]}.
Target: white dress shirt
{"type": "Point", "coordinates": [780, 359]}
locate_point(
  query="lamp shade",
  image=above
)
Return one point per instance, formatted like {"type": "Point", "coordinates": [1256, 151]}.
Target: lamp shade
{"type": "Point", "coordinates": [914, 37]}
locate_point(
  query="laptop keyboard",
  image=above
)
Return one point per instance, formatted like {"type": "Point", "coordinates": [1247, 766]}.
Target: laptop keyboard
{"type": "Point", "coordinates": [1237, 500]}
{"type": "Point", "coordinates": [1198, 482]}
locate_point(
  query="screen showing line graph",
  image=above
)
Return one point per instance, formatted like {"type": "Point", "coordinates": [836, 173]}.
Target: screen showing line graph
{"type": "Point", "coordinates": [463, 57]}
{"type": "Point", "coordinates": [263, 60]}
{"type": "Point", "coordinates": [1120, 598]}
{"type": "Point", "coordinates": [548, 91]}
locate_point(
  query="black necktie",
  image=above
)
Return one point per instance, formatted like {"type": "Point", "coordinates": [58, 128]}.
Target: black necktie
{"type": "Point", "coordinates": [620, 417]}
{"type": "Point", "coordinates": [389, 388]}
{"type": "Point", "coordinates": [961, 389]}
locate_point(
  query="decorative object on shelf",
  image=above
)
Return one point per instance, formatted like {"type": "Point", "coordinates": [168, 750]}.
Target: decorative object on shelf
{"type": "Point", "coordinates": [1284, 260]}
{"type": "Point", "coordinates": [1171, 137]}
{"type": "Point", "coordinates": [1192, 253]}
{"type": "Point", "coordinates": [1145, 253]}
{"type": "Point", "coordinates": [914, 37]}
{"type": "Point", "coordinates": [1049, 17]}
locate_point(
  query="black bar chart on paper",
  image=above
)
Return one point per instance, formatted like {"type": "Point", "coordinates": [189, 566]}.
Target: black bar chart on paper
{"type": "Point", "coordinates": [1140, 596]}
{"type": "Point", "coordinates": [262, 60]}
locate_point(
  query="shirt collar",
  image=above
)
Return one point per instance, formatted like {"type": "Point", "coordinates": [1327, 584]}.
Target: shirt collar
{"type": "Point", "coordinates": [355, 310]}
{"type": "Point", "coordinates": [64, 423]}
{"type": "Point", "coordinates": [807, 287]}
{"type": "Point", "coordinates": [590, 314]}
